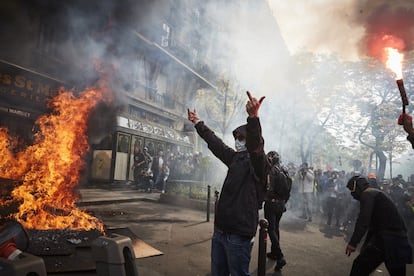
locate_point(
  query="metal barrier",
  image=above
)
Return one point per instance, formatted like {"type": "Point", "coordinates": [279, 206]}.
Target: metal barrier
{"type": "Point", "coordinates": [114, 256]}
{"type": "Point", "coordinates": [23, 265]}
{"type": "Point", "coordinates": [261, 264]}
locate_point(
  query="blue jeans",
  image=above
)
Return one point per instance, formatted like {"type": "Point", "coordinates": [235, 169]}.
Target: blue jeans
{"type": "Point", "coordinates": [230, 254]}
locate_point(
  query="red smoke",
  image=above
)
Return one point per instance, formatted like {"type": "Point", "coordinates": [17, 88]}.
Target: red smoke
{"type": "Point", "coordinates": [387, 25]}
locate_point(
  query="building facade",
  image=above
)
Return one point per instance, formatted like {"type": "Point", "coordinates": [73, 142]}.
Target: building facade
{"type": "Point", "coordinates": [155, 48]}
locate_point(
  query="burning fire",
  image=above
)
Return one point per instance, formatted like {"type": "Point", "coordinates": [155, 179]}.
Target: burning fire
{"type": "Point", "coordinates": [394, 61]}
{"type": "Point", "coordinates": [50, 168]}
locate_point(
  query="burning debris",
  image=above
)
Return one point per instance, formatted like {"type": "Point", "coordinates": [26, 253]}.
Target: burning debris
{"type": "Point", "coordinates": [49, 169]}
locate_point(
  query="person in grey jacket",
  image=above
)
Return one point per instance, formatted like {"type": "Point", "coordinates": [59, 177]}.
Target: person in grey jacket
{"type": "Point", "coordinates": [237, 210]}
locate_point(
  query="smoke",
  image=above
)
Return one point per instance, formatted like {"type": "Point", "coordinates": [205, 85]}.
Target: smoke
{"type": "Point", "coordinates": [353, 29]}
{"type": "Point", "coordinates": [386, 24]}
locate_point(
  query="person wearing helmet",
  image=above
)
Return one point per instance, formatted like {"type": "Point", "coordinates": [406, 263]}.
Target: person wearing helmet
{"type": "Point", "coordinates": [386, 234]}
{"type": "Point", "coordinates": [279, 186]}
{"type": "Point", "coordinates": [372, 179]}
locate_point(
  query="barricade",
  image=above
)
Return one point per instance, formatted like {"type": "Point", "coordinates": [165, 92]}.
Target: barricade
{"type": "Point", "coordinates": [114, 256]}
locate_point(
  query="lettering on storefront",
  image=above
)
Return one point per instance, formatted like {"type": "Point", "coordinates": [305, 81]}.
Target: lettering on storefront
{"type": "Point", "coordinates": [20, 88]}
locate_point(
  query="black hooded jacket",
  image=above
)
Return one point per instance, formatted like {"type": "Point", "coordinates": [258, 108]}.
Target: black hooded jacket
{"type": "Point", "coordinates": [240, 198]}
{"type": "Point", "coordinates": [378, 216]}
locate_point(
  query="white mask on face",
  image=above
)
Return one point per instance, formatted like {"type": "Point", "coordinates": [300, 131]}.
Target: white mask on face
{"type": "Point", "coordinates": [240, 145]}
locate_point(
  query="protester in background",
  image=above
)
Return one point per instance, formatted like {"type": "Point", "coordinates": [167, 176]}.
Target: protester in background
{"type": "Point", "coordinates": [372, 180]}
{"type": "Point", "coordinates": [237, 209]}
{"type": "Point", "coordinates": [156, 167]}
{"type": "Point", "coordinates": [386, 234]}
{"type": "Point", "coordinates": [332, 202]}
{"type": "Point", "coordinates": [162, 178]}
{"type": "Point", "coordinates": [147, 174]}
{"type": "Point", "coordinates": [305, 181]}
{"type": "Point", "coordinates": [140, 166]}
{"type": "Point", "coordinates": [407, 122]}
{"type": "Point", "coordinates": [279, 186]}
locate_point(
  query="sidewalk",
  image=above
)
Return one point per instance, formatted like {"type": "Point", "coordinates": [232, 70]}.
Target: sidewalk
{"type": "Point", "coordinates": [110, 194]}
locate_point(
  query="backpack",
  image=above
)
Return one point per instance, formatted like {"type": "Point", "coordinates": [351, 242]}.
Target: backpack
{"type": "Point", "coordinates": [279, 183]}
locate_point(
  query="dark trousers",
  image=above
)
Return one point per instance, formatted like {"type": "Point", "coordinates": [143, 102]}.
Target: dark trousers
{"type": "Point", "coordinates": [393, 251]}
{"type": "Point", "coordinates": [333, 208]}
{"type": "Point", "coordinates": [273, 213]}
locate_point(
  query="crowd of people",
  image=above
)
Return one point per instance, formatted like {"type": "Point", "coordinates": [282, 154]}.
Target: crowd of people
{"type": "Point", "coordinates": [352, 202]}
{"type": "Point", "coordinates": [153, 172]}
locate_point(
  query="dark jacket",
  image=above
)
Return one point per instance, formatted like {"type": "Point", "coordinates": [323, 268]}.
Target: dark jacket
{"type": "Point", "coordinates": [279, 183]}
{"type": "Point", "coordinates": [240, 198]}
{"type": "Point", "coordinates": [378, 216]}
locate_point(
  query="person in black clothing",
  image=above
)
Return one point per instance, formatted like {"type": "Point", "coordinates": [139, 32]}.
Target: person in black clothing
{"type": "Point", "coordinates": [279, 186]}
{"type": "Point", "coordinates": [237, 210]}
{"type": "Point", "coordinates": [140, 165]}
{"type": "Point", "coordinates": [386, 234]}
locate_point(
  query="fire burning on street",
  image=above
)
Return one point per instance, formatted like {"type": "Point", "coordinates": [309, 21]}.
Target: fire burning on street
{"type": "Point", "coordinates": [49, 169]}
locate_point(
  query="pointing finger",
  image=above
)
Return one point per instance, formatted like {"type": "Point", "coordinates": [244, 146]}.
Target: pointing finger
{"type": "Point", "coordinates": [250, 96]}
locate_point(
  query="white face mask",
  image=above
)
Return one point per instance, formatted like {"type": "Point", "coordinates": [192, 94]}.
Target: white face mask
{"type": "Point", "coordinates": [240, 145]}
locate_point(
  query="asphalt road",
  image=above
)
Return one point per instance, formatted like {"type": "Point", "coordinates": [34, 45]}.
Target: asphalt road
{"type": "Point", "coordinates": [183, 235]}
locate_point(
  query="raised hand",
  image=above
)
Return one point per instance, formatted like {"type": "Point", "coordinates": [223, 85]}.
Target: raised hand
{"type": "Point", "coordinates": [407, 122]}
{"type": "Point", "coordinates": [193, 116]}
{"type": "Point", "coordinates": [253, 105]}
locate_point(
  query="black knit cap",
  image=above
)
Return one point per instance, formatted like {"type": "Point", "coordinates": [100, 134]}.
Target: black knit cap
{"type": "Point", "coordinates": [240, 132]}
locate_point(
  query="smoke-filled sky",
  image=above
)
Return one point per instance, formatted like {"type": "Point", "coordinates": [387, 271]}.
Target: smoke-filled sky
{"type": "Point", "coordinates": [350, 28]}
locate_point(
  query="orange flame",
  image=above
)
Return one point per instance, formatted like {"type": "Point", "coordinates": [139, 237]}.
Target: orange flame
{"type": "Point", "coordinates": [394, 61]}
{"type": "Point", "coordinates": [50, 168]}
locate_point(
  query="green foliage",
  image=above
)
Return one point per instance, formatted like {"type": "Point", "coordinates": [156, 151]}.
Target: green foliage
{"type": "Point", "coordinates": [190, 191]}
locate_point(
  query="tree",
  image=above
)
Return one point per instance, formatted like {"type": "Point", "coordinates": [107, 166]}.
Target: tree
{"type": "Point", "coordinates": [221, 106]}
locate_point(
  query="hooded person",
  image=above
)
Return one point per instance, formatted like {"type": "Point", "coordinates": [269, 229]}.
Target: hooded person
{"type": "Point", "coordinates": [278, 193]}
{"type": "Point", "coordinates": [386, 234]}
{"type": "Point", "coordinates": [239, 135]}
{"type": "Point", "coordinates": [237, 209]}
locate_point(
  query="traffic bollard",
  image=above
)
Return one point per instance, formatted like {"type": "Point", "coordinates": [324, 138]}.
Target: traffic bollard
{"type": "Point", "coordinates": [261, 264]}
{"type": "Point", "coordinates": [216, 197]}
{"type": "Point", "coordinates": [114, 256]}
{"type": "Point", "coordinates": [208, 202]}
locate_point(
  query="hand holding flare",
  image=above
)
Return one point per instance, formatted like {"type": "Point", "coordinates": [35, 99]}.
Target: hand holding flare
{"type": "Point", "coordinates": [394, 63]}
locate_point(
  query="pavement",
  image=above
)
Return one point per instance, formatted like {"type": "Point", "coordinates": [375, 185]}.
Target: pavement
{"type": "Point", "coordinates": [183, 236]}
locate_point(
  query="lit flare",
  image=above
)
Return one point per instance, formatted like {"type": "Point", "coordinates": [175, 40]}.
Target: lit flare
{"type": "Point", "coordinates": [394, 61]}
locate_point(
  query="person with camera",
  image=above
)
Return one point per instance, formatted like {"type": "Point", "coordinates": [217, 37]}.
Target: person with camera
{"type": "Point", "coordinates": [384, 229]}
{"type": "Point", "coordinates": [237, 209]}
{"type": "Point", "coordinates": [305, 181]}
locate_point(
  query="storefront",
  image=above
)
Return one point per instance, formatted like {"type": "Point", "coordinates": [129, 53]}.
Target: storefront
{"type": "Point", "coordinates": [116, 165]}
{"type": "Point", "coordinates": [23, 98]}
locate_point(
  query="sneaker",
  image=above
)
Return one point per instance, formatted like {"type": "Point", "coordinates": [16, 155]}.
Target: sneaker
{"type": "Point", "coordinates": [271, 256]}
{"type": "Point", "coordinates": [280, 264]}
